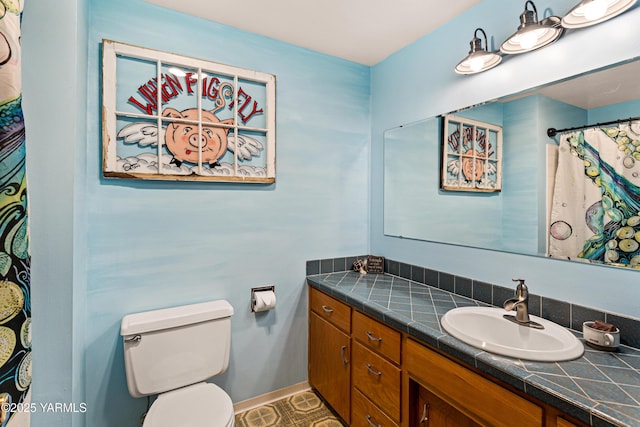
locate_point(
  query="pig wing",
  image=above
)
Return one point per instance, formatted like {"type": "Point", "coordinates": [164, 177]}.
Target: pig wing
{"type": "Point", "coordinates": [245, 146]}
{"type": "Point", "coordinates": [142, 133]}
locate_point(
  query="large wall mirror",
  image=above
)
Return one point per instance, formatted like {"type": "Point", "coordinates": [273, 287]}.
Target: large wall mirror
{"type": "Point", "coordinates": [521, 218]}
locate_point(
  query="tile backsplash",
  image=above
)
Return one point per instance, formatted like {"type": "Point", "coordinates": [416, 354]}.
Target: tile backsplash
{"type": "Point", "coordinates": [564, 313]}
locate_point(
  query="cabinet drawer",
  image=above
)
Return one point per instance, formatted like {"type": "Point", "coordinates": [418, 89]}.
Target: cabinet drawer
{"type": "Point", "coordinates": [376, 378]}
{"type": "Point", "coordinates": [376, 336]}
{"type": "Point", "coordinates": [470, 393]}
{"type": "Point", "coordinates": [365, 414]}
{"type": "Point", "coordinates": [330, 309]}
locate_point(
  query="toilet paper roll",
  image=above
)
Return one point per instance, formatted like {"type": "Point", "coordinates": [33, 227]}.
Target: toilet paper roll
{"type": "Point", "coordinates": [264, 300]}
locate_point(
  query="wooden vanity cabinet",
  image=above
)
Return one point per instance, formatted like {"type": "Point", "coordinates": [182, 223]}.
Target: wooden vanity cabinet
{"type": "Point", "coordinates": [330, 351]}
{"type": "Point", "coordinates": [428, 410]}
{"type": "Point", "coordinates": [561, 422]}
{"type": "Point", "coordinates": [442, 392]}
{"type": "Point", "coordinates": [472, 395]}
{"type": "Point", "coordinates": [374, 376]}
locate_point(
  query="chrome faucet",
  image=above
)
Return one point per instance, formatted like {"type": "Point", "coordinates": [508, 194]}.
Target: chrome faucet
{"type": "Point", "coordinates": [520, 303]}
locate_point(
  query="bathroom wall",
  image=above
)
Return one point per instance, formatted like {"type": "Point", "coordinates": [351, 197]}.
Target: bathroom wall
{"type": "Point", "coordinates": [421, 75]}
{"type": "Point", "coordinates": [127, 246]}
{"type": "Point", "coordinates": [614, 112]}
{"type": "Point", "coordinates": [54, 87]}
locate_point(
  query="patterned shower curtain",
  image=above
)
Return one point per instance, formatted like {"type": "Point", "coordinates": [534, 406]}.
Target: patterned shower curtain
{"type": "Point", "coordinates": [595, 212]}
{"type": "Point", "coordinates": [15, 301]}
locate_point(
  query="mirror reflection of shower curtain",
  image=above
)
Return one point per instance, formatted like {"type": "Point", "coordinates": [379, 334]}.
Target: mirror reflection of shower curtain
{"type": "Point", "coordinates": [15, 295]}
{"type": "Point", "coordinates": [595, 211]}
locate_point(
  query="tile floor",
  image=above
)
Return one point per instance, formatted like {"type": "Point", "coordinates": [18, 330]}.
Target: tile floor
{"type": "Point", "coordinates": [304, 409]}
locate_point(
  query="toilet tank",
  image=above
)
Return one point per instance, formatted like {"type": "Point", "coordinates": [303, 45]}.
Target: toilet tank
{"type": "Point", "coordinates": [174, 347]}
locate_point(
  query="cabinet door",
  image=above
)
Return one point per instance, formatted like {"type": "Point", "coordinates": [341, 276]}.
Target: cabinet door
{"type": "Point", "coordinates": [561, 422]}
{"type": "Point", "coordinates": [481, 399]}
{"type": "Point", "coordinates": [431, 411]}
{"type": "Point", "coordinates": [329, 367]}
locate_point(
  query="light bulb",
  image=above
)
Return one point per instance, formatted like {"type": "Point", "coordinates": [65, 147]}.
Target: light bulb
{"type": "Point", "coordinates": [595, 10]}
{"type": "Point", "coordinates": [476, 64]}
{"type": "Point", "coordinates": [528, 40]}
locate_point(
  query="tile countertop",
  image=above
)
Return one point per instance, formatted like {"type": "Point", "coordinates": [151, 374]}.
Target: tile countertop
{"type": "Point", "coordinates": [600, 388]}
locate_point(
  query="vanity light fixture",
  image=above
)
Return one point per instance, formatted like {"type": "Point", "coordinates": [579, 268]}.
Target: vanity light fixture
{"type": "Point", "coordinates": [479, 58]}
{"type": "Point", "coordinates": [532, 34]}
{"type": "Point", "coordinates": [591, 12]}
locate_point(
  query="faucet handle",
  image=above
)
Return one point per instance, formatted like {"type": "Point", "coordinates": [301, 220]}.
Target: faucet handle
{"type": "Point", "coordinates": [522, 292]}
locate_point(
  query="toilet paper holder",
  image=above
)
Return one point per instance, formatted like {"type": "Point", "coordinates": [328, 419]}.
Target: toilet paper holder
{"type": "Point", "coordinates": [259, 289]}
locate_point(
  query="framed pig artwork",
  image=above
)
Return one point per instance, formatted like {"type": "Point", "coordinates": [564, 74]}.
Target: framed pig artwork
{"type": "Point", "coordinates": [171, 117]}
{"type": "Point", "coordinates": [471, 155]}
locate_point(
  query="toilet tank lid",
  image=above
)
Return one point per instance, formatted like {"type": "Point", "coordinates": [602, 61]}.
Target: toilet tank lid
{"type": "Point", "coordinates": [174, 317]}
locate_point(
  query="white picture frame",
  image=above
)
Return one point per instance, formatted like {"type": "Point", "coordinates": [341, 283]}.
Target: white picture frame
{"type": "Point", "coordinates": [171, 117]}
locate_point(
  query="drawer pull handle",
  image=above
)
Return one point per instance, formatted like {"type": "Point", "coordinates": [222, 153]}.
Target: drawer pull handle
{"type": "Point", "coordinates": [371, 423]}
{"type": "Point", "coordinates": [372, 338]}
{"type": "Point", "coordinates": [327, 309]}
{"type": "Point", "coordinates": [372, 372]}
{"type": "Point", "coordinates": [425, 413]}
{"type": "Point", "coordinates": [343, 349]}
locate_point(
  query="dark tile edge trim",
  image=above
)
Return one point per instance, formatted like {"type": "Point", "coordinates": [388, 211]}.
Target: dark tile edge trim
{"type": "Point", "coordinates": [564, 313]}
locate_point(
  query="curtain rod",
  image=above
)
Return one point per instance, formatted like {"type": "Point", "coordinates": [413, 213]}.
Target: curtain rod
{"type": "Point", "coordinates": [551, 132]}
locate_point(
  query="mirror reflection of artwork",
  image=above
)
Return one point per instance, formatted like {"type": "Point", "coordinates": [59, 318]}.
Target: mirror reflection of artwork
{"type": "Point", "coordinates": [471, 155]}
{"type": "Point", "coordinates": [169, 117]}
{"type": "Point", "coordinates": [517, 219]}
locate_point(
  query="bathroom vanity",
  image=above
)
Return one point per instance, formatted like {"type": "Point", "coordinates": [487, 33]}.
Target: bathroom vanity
{"type": "Point", "coordinates": [376, 366]}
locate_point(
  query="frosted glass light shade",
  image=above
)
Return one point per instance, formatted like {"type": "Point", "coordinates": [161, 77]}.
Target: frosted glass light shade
{"type": "Point", "coordinates": [532, 34]}
{"type": "Point", "coordinates": [478, 62]}
{"type": "Point", "coordinates": [591, 12]}
{"type": "Point", "coordinates": [478, 59]}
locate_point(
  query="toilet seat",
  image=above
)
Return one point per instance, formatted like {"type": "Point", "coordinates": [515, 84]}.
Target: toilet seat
{"type": "Point", "coordinates": [198, 405]}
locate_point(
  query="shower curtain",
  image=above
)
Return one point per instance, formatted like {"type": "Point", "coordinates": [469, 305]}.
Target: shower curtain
{"type": "Point", "coordinates": [15, 302]}
{"type": "Point", "coordinates": [595, 211]}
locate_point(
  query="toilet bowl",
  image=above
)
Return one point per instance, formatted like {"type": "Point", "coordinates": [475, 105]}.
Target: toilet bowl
{"type": "Point", "coordinates": [197, 405]}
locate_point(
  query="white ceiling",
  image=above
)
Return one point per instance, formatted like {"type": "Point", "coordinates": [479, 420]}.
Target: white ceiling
{"type": "Point", "coordinates": [593, 90]}
{"type": "Point", "coordinates": [363, 31]}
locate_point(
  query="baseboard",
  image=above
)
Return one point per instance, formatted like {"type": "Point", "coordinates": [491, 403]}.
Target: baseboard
{"type": "Point", "coordinates": [269, 397]}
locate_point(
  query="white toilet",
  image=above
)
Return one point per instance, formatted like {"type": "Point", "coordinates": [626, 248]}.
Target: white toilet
{"type": "Point", "coordinates": [171, 352]}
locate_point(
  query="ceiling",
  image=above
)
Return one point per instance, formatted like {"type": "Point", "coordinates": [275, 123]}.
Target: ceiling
{"type": "Point", "coordinates": [610, 86]}
{"type": "Point", "coordinates": [599, 89]}
{"type": "Point", "coordinates": [363, 31]}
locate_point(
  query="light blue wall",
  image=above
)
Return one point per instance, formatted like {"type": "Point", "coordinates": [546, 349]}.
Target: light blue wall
{"type": "Point", "coordinates": [105, 248]}
{"type": "Point", "coordinates": [519, 195]}
{"type": "Point", "coordinates": [421, 77]}
{"type": "Point", "coordinates": [54, 93]}
{"type": "Point", "coordinates": [623, 110]}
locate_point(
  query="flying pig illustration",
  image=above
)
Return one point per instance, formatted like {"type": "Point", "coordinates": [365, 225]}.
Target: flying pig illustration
{"type": "Point", "coordinates": [182, 140]}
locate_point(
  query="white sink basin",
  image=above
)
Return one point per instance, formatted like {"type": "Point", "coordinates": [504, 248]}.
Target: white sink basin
{"type": "Point", "coordinates": [485, 328]}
